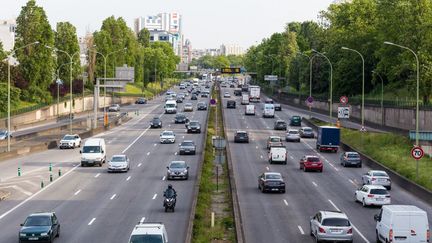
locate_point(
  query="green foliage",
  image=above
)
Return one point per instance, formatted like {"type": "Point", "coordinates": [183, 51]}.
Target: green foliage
{"type": "Point", "coordinates": [2, 52]}
{"type": "Point", "coordinates": [66, 40]}
{"type": "Point", "coordinates": [15, 94]}
{"type": "Point", "coordinates": [218, 62]}
{"type": "Point", "coordinates": [144, 37]}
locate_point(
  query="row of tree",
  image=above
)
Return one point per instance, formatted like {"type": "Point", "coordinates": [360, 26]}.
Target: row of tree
{"type": "Point", "coordinates": [363, 25]}
{"type": "Point", "coordinates": [42, 53]}
{"type": "Point", "coordinates": [218, 62]}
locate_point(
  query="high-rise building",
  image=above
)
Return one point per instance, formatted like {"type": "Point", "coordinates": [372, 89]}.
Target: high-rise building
{"type": "Point", "coordinates": [231, 49]}
{"type": "Point", "coordinates": [7, 34]}
{"type": "Point", "coordinates": [187, 52]}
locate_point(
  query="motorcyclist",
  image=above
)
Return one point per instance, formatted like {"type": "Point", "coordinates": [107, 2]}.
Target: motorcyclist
{"type": "Point", "coordinates": [170, 192]}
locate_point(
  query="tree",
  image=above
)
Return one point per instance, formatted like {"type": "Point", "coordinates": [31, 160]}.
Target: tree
{"type": "Point", "coordinates": [66, 40]}
{"type": "Point", "coordinates": [2, 52]}
{"type": "Point", "coordinates": [235, 60]}
{"type": "Point", "coordinates": [36, 61]}
{"type": "Point", "coordinates": [144, 37]}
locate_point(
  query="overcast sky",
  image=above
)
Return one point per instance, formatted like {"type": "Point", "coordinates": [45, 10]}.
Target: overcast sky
{"type": "Point", "coordinates": [207, 23]}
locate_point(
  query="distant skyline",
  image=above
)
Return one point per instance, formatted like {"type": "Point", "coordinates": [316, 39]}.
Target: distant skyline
{"type": "Point", "coordinates": [208, 24]}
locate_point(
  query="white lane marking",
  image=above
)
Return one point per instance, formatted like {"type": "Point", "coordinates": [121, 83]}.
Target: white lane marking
{"type": "Point", "coordinates": [261, 157]}
{"type": "Point", "coordinates": [77, 192]}
{"type": "Point", "coordinates": [134, 141]}
{"type": "Point", "coordinates": [155, 144]}
{"type": "Point", "coordinates": [113, 196]}
{"type": "Point", "coordinates": [300, 229]}
{"type": "Point", "coordinates": [175, 153]}
{"type": "Point", "coordinates": [19, 189]}
{"type": "Point", "coordinates": [267, 168]}
{"type": "Point", "coordinates": [182, 136]}
{"type": "Point", "coordinates": [148, 153]}
{"type": "Point", "coordinates": [169, 125]}
{"type": "Point", "coordinates": [336, 168]}
{"type": "Point", "coordinates": [256, 147]}
{"type": "Point", "coordinates": [163, 178]}
{"type": "Point", "coordinates": [97, 175]}
{"type": "Point", "coordinates": [247, 127]}
{"type": "Point", "coordinates": [139, 165]}
{"type": "Point", "coordinates": [37, 193]}
{"type": "Point", "coordinates": [91, 221]}
{"type": "Point", "coordinates": [285, 201]}
{"type": "Point", "coordinates": [128, 178]}
{"type": "Point", "coordinates": [142, 220]}
{"type": "Point", "coordinates": [291, 157]}
{"type": "Point", "coordinates": [154, 196]}
{"type": "Point", "coordinates": [334, 205]}
{"type": "Point", "coordinates": [352, 182]}
{"type": "Point", "coordinates": [313, 182]}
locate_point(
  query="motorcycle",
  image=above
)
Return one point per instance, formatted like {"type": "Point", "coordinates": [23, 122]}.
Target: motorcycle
{"type": "Point", "coordinates": [169, 203]}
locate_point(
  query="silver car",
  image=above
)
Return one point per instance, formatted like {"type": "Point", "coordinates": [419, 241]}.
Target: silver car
{"type": "Point", "coordinates": [119, 163]}
{"type": "Point", "coordinates": [377, 177]}
{"type": "Point", "coordinates": [292, 135]}
{"type": "Point", "coordinates": [177, 169]}
{"type": "Point", "coordinates": [115, 107]}
{"type": "Point", "coordinates": [306, 132]}
{"type": "Point", "coordinates": [188, 107]}
{"type": "Point", "coordinates": [350, 159]}
{"type": "Point", "coordinates": [331, 226]}
{"type": "Point", "coordinates": [167, 137]}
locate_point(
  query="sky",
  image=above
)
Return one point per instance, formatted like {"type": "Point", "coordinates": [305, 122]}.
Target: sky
{"type": "Point", "coordinates": [206, 23]}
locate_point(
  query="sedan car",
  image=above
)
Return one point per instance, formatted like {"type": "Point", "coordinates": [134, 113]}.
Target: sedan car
{"type": "Point", "coordinates": [241, 137]}
{"type": "Point", "coordinates": [40, 227]}
{"type": "Point", "coordinates": [188, 107]}
{"type": "Point", "coordinates": [181, 118]}
{"type": "Point", "coordinates": [295, 121]}
{"type": "Point", "coordinates": [274, 141]}
{"type": "Point", "coordinates": [277, 107]}
{"type": "Point", "coordinates": [194, 97]}
{"type": "Point", "coordinates": [114, 108]}
{"type": "Point", "coordinates": [167, 137]}
{"type": "Point", "coordinates": [331, 226]}
{"type": "Point", "coordinates": [271, 182]}
{"type": "Point", "coordinates": [372, 195]}
{"type": "Point", "coordinates": [306, 132]}
{"type": "Point", "coordinates": [4, 134]}
{"type": "Point", "coordinates": [231, 104]}
{"type": "Point", "coordinates": [156, 122]}
{"type": "Point", "coordinates": [292, 135]}
{"type": "Point", "coordinates": [118, 163]}
{"type": "Point", "coordinates": [177, 170]}
{"type": "Point", "coordinates": [70, 141]}
{"type": "Point", "coordinates": [227, 95]}
{"type": "Point", "coordinates": [280, 125]}
{"type": "Point", "coordinates": [377, 177]}
{"type": "Point", "coordinates": [141, 100]}
{"type": "Point", "coordinates": [310, 162]}
{"type": "Point", "coordinates": [194, 127]}
{"type": "Point", "coordinates": [201, 106]}
{"type": "Point", "coordinates": [187, 147]}
{"type": "Point", "coordinates": [179, 99]}
{"type": "Point", "coordinates": [350, 159]}
{"type": "Point", "coordinates": [237, 92]}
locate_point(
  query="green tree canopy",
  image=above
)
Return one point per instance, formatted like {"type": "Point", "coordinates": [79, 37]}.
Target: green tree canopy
{"type": "Point", "coordinates": [66, 40]}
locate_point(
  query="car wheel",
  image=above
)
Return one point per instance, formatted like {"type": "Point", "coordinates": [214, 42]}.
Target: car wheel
{"type": "Point", "coordinates": [58, 232]}
{"type": "Point", "coordinates": [321, 170]}
{"type": "Point", "coordinates": [82, 165]}
{"type": "Point", "coordinates": [377, 240]}
{"type": "Point", "coordinates": [100, 164]}
{"type": "Point", "coordinates": [360, 165]}
{"type": "Point", "coordinates": [304, 169]}
{"type": "Point", "coordinates": [389, 188]}
{"type": "Point", "coordinates": [364, 203]}
{"type": "Point", "coordinates": [79, 144]}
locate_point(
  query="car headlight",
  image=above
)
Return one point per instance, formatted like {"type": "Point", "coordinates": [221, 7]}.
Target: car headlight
{"type": "Point", "coordinates": [44, 234]}
{"type": "Point", "coordinates": [23, 234]}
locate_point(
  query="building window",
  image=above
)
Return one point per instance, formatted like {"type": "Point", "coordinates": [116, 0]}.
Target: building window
{"type": "Point", "coordinates": [151, 38]}
{"type": "Point", "coordinates": [175, 21]}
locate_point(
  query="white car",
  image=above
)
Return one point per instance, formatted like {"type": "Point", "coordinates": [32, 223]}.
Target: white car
{"type": "Point", "coordinates": [188, 107]}
{"type": "Point", "coordinates": [167, 137]}
{"type": "Point", "coordinates": [70, 141]}
{"type": "Point", "coordinates": [372, 195]}
{"type": "Point", "coordinates": [149, 232]}
{"type": "Point", "coordinates": [115, 107]}
{"type": "Point", "coordinates": [292, 135]}
{"type": "Point", "coordinates": [4, 134]}
{"type": "Point", "coordinates": [250, 110]}
{"type": "Point", "coordinates": [377, 177]}
{"type": "Point", "coordinates": [119, 163]}
{"type": "Point", "coordinates": [227, 95]}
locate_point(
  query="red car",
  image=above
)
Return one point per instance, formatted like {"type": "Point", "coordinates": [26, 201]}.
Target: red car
{"type": "Point", "coordinates": [309, 162]}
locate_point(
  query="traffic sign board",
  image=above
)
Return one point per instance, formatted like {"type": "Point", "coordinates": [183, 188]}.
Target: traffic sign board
{"type": "Point", "coordinates": [212, 102]}
{"type": "Point", "coordinates": [310, 99]}
{"type": "Point", "coordinates": [343, 100]}
{"type": "Point", "coordinates": [343, 112]}
{"type": "Point", "coordinates": [270, 77]}
{"type": "Point", "coordinates": [417, 152]}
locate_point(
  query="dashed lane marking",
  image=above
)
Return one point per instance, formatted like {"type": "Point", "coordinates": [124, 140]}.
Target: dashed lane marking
{"type": "Point", "coordinates": [163, 178]}
{"type": "Point", "coordinates": [113, 196]}
{"type": "Point", "coordinates": [77, 192]}
{"type": "Point", "coordinates": [148, 153]}
{"type": "Point", "coordinates": [154, 196]}
{"type": "Point", "coordinates": [139, 165]}
{"type": "Point", "coordinates": [300, 229]}
{"type": "Point", "coordinates": [128, 178]}
{"type": "Point", "coordinates": [97, 175]}
{"type": "Point", "coordinates": [91, 221]}
{"type": "Point", "coordinates": [142, 220]}
{"type": "Point", "coordinates": [285, 201]}
{"type": "Point", "coordinates": [313, 182]}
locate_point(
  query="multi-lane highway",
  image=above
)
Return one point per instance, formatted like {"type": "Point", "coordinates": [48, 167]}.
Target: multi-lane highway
{"type": "Point", "coordinates": [285, 217]}
{"type": "Point", "coordinates": [94, 206]}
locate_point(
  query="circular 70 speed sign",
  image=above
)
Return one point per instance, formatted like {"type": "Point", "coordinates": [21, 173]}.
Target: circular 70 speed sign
{"type": "Point", "coordinates": [417, 152]}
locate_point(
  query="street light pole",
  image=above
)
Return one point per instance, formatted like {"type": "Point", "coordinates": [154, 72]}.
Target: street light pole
{"type": "Point", "coordinates": [382, 95]}
{"type": "Point", "coordinates": [9, 89]}
{"type": "Point", "coordinates": [331, 82]}
{"type": "Point", "coordinates": [58, 88]}
{"type": "Point", "coordinates": [363, 84]}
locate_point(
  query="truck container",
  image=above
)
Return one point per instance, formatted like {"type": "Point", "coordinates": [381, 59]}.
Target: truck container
{"type": "Point", "coordinates": [254, 93]}
{"type": "Point", "coordinates": [328, 138]}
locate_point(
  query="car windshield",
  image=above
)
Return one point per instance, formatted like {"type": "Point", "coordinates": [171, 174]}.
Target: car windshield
{"type": "Point", "coordinates": [307, 130]}
{"type": "Point", "coordinates": [118, 159]}
{"type": "Point", "coordinates": [340, 222]}
{"type": "Point", "coordinates": [146, 239]}
{"type": "Point", "coordinates": [3, 132]}
{"type": "Point", "coordinates": [241, 133]}
{"type": "Point", "coordinates": [295, 118]}
{"type": "Point", "coordinates": [187, 144]}
{"type": "Point", "coordinates": [91, 149]}
{"type": "Point", "coordinates": [68, 137]}
{"type": "Point", "coordinates": [170, 105]}
{"type": "Point", "coordinates": [378, 191]}
{"type": "Point", "coordinates": [167, 134]}
{"type": "Point", "coordinates": [38, 221]}
{"type": "Point", "coordinates": [293, 132]}
{"type": "Point", "coordinates": [355, 156]}
{"type": "Point", "coordinates": [281, 123]}
{"type": "Point", "coordinates": [313, 159]}
{"type": "Point", "coordinates": [379, 173]}
{"type": "Point", "coordinates": [177, 165]}
{"type": "Point", "coordinates": [273, 177]}
{"type": "Point", "coordinates": [275, 139]}
{"type": "Point", "coordinates": [193, 123]}
{"type": "Point", "coordinates": [155, 119]}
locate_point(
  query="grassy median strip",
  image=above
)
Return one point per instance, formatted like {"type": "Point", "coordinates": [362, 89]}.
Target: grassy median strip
{"type": "Point", "coordinates": [392, 151]}
{"type": "Point", "coordinates": [209, 198]}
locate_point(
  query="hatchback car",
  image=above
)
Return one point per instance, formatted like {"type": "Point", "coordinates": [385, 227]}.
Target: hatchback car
{"type": "Point", "coordinates": [295, 121]}
{"type": "Point", "coordinates": [141, 101]}
{"type": "Point", "coordinates": [119, 163]}
{"type": "Point", "coordinates": [331, 226]}
{"type": "Point", "coordinates": [156, 122]}
{"type": "Point", "coordinates": [167, 137]}
{"type": "Point", "coordinates": [350, 159]}
{"type": "Point", "coordinates": [179, 99]}
{"type": "Point", "coordinates": [201, 106]}
{"type": "Point", "coordinates": [115, 108]}
{"type": "Point", "coordinates": [274, 141]}
{"type": "Point", "coordinates": [277, 107]}
{"type": "Point", "coordinates": [177, 170]}
{"type": "Point", "coordinates": [188, 107]}
{"type": "Point", "coordinates": [40, 227]}
{"type": "Point", "coordinates": [181, 118]}
{"type": "Point", "coordinates": [310, 162]}
{"type": "Point", "coordinates": [306, 132]}
{"type": "Point", "coordinates": [292, 135]}
{"type": "Point", "coordinates": [280, 125]}
{"type": "Point", "coordinates": [4, 134]}
{"type": "Point", "coordinates": [241, 137]}
{"type": "Point", "coordinates": [194, 127]}
{"type": "Point", "coordinates": [377, 177]}
{"type": "Point", "coordinates": [194, 97]}
{"type": "Point", "coordinates": [227, 95]}
{"type": "Point", "coordinates": [271, 182]}
{"type": "Point", "coordinates": [231, 104]}
{"type": "Point", "coordinates": [372, 195]}
{"type": "Point", "coordinates": [187, 147]}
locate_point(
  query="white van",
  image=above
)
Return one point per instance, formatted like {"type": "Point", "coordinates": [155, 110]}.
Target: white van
{"type": "Point", "coordinates": [278, 155]}
{"type": "Point", "coordinates": [245, 99]}
{"type": "Point", "coordinates": [149, 232]}
{"type": "Point", "coordinates": [170, 107]}
{"type": "Point", "coordinates": [93, 152]}
{"type": "Point", "coordinates": [268, 111]}
{"type": "Point", "coordinates": [250, 110]}
{"type": "Point", "coordinates": [402, 223]}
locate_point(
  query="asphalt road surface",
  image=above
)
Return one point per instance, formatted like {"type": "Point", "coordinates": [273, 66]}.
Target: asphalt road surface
{"type": "Point", "coordinates": [285, 217]}
{"type": "Point", "coordinates": [94, 206]}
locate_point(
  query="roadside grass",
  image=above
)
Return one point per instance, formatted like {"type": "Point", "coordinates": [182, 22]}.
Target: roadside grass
{"type": "Point", "coordinates": [391, 150]}
{"type": "Point", "coordinates": [152, 89]}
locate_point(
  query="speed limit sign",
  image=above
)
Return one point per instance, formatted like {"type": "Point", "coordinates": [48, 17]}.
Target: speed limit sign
{"type": "Point", "coordinates": [417, 152]}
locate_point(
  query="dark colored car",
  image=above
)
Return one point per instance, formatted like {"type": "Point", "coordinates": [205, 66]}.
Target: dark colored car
{"type": "Point", "coordinates": [194, 127]}
{"type": "Point", "coordinates": [232, 86]}
{"type": "Point", "coordinates": [156, 122]}
{"type": "Point", "coordinates": [39, 227]}
{"type": "Point", "coordinates": [141, 101]}
{"type": "Point", "coordinates": [280, 125]}
{"type": "Point", "coordinates": [241, 137]}
{"type": "Point", "coordinates": [187, 147]}
{"type": "Point", "coordinates": [271, 182]}
{"type": "Point", "coordinates": [201, 106]}
{"type": "Point", "coordinates": [350, 159]}
{"type": "Point", "coordinates": [231, 104]}
{"type": "Point", "coordinates": [180, 118]}
{"type": "Point", "coordinates": [277, 107]}
{"type": "Point", "coordinates": [179, 99]}
{"type": "Point", "coordinates": [295, 121]}
{"type": "Point", "coordinates": [205, 94]}
{"type": "Point", "coordinates": [194, 97]}
{"type": "Point", "coordinates": [177, 170]}
{"type": "Point", "coordinates": [237, 92]}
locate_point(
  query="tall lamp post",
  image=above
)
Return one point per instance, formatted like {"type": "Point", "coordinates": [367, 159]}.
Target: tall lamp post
{"type": "Point", "coordinates": [310, 74]}
{"type": "Point", "coordinates": [363, 84]}
{"type": "Point", "coordinates": [9, 89]}
{"type": "Point", "coordinates": [58, 86]}
{"type": "Point", "coordinates": [382, 95]}
{"type": "Point", "coordinates": [331, 81]}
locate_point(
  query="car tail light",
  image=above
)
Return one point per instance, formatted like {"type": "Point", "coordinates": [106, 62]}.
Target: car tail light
{"type": "Point", "coordinates": [391, 235]}
{"type": "Point", "coordinates": [428, 235]}
{"type": "Point", "coordinates": [349, 231]}
{"type": "Point", "coordinates": [387, 196]}
{"type": "Point", "coordinates": [321, 230]}
{"type": "Point", "coordinates": [370, 195]}
{"type": "Point", "coordinates": [373, 179]}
